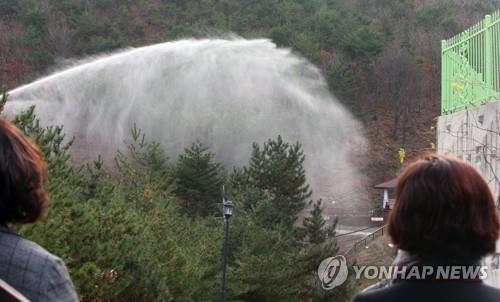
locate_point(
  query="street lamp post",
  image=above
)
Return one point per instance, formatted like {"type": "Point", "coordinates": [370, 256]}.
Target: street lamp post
{"type": "Point", "coordinates": [227, 209]}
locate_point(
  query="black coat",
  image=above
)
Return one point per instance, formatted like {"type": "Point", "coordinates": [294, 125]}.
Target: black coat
{"type": "Point", "coordinates": [432, 291]}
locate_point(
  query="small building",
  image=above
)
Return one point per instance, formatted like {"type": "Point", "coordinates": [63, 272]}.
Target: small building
{"type": "Point", "coordinates": [388, 188]}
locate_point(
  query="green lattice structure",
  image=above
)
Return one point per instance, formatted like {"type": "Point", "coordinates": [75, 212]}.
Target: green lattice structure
{"type": "Point", "coordinates": [470, 71]}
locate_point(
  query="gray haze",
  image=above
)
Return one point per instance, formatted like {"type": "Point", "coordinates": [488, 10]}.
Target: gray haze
{"type": "Point", "coordinates": [227, 93]}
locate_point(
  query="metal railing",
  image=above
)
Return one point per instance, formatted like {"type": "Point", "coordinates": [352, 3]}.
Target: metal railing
{"type": "Point", "coordinates": [470, 66]}
{"type": "Point", "coordinates": [362, 243]}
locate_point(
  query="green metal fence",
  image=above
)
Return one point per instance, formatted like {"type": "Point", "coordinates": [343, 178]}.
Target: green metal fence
{"type": "Point", "coordinates": [470, 71]}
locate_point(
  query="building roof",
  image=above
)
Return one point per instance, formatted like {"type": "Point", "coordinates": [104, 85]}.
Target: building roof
{"type": "Point", "coordinates": [390, 184]}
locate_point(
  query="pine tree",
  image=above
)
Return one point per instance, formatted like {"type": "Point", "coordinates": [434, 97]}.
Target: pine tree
{"type": "Point", "coordinates": [199, 180]}
{"type": "Point", "coordinates": [315, 225]}
{"type": "Point", "coordinates": [277, 169]}
{"type": "Point", "coordinates": [52, 142]}
{"type": "Point", "coordinates": [91, 208]}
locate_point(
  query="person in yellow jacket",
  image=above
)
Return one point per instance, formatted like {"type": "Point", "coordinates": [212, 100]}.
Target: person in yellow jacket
{"type": "Point", "coordinates": [402, 155]}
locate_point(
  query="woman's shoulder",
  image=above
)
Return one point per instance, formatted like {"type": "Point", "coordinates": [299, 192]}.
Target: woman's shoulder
{"type": "Point", "coordinates": [33, 270]}
{"type": "Point", "coordinates": [15, 248]}
{"type": "Point", "coordinates": [381, 293]}
{"type": "Point", "coordinates": [432, 291]}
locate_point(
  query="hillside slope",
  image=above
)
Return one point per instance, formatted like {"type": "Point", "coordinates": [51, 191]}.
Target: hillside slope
{"type": "Point", "coordinates": [380, 57]}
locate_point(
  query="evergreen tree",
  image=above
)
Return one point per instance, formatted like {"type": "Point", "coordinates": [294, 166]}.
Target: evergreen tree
{"type": "Point", "coordinates": [277, 169]}
{"type": "Point", "coordinates": [119, 231]}
{"type": "Point", "coordinates": [123, 238]}
{"type": "Point", "coordinates": [199, 180]}
{"type": "Point", "coordinates": [51, 141]}
{"type": "Point", "coordinates": [315, 225]}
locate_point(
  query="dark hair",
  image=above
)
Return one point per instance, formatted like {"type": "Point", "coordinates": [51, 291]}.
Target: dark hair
{"type": "Point", "coordinates": [22, 177]}
{"type": "Point", "coordinates": [443, 210]}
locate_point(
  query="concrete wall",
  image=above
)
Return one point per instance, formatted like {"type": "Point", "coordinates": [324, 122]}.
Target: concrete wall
{"type": "Point", "coordinates": [473, 135]}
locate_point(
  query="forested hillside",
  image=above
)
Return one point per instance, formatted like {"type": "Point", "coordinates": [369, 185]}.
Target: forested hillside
{"type": "Point", "coordinates": [149, 228]}
{"type": "Point", "coordinates": [380, 57]}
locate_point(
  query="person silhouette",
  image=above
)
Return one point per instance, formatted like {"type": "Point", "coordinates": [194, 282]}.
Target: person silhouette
{"type": "Point", "coordinates": [24, 265]}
